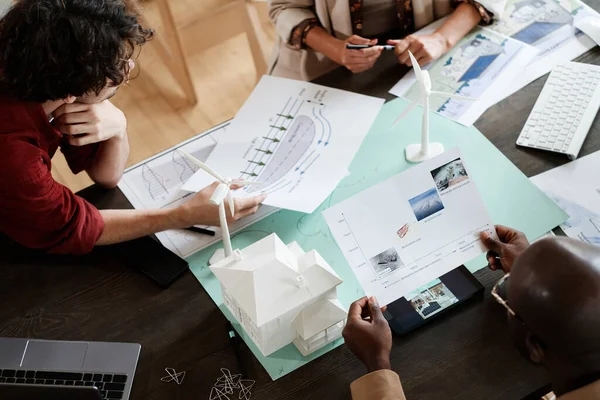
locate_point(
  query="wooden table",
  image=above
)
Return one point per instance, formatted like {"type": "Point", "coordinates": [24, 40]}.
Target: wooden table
{"type": "Point", "coordinates": [465, 354]}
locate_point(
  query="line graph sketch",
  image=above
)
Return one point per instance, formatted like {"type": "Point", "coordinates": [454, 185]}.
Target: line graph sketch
{"type": "Point", "coordinates": [155, 182]}
{"type": "Point", "coordinates": [184, 166]}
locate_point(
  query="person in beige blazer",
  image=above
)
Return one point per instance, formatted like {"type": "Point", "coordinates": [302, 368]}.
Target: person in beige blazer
{"type": "Point", "coordinates": [550, 323]}
{"type": "Point", "coordinates": [312, 34]}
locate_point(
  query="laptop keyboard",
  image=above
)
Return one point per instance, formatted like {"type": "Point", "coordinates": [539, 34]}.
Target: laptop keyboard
{"type": "Point", "coordinates": [110, 386]}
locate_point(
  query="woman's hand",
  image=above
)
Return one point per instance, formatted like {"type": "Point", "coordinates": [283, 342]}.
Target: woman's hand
{"type": "Point", "coordinates": [428, 48]}
{"type": "Point", "coordinates": [335, 49]}
{"type": "Point", "coordinates": [357, 60]}
{"type": "Point", "coordinates": [425, 48]}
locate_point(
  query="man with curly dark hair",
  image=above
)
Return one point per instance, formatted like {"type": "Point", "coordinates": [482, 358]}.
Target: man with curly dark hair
{"type": "Point", "coordinates": [60, 62]}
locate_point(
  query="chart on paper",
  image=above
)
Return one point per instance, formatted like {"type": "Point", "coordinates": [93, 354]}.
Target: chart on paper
{"type": "Point", "coordinates": [411, 229]}
{"type": "Point", "coordinates": [293, 142]}
{"type": "Point", "coordinates": [156, 184]}
{"type": "Point", "coordinates": [385, 266]}
{"type": "Point", "coordinates": [296, 138]}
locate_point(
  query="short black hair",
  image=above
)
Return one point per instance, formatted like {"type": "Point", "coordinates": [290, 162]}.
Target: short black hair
{"type": "Point", "coordinates": [51, 49]}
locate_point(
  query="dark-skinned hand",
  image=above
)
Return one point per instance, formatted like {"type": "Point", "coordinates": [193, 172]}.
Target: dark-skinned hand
{"type": "Point", "coordinates": [368, 335]}
{"type": "Point", "coordinates": [504, 250]}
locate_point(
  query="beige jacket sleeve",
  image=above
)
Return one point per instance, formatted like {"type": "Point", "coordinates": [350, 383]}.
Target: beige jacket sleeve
{"type": "Point", "coordinates": [288, 14]}
{"type": "Point", "coordinates": [379, 385]}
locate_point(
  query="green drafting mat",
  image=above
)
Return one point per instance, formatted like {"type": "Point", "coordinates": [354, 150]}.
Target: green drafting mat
{"type": "Point", "coordinates": [509, 196]}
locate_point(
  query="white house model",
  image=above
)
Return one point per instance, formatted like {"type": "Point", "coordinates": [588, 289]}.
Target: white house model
{"type": "Point", "coordinates": [280, 294]}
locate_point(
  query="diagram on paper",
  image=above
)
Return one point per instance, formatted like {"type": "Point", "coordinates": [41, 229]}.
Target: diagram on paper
{"type": "Point", "coordinates": [290, 148]}
{"type": "Point", "coordinates": [411, 229]}
{"type": "Point", "coordinates": [583, 224]}
{"type": "Point", "coordinates": [471, 68]}
{"type": "Point", "coordinates": [296, 138]}
{"type": "Point", "coordinates": [546, 24]}
{"type": "Point", "coordinates": [156, 184]}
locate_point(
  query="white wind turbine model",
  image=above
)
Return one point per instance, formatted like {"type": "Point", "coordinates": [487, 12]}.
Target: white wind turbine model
{"type": "Point", "coordinates": [221, 193]}
{"type": "Point", "coordinates": [424, 151]}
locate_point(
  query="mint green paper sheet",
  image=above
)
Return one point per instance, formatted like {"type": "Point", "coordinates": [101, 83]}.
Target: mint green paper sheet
{"type": "Point", "coordinates": [509, 196]}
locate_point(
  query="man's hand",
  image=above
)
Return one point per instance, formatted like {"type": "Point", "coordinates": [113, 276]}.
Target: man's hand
{"type": "Point", "coordinates": [425, 48]}
{"type": "Point", "coordinates": [357, 60]}
{"type": "Point", "coordinates": [199, 211]}
{"type": "Point", "coordinates": [505, 251]}
{"type": "Point", "coordinates": [90, 123]}
{"type": "Point", "coordinates": [368, 335]}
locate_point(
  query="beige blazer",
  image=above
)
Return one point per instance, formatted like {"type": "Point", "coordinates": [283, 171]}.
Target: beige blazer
{"type": "Point", "coordinates": [385, 385]}
{"type": "Point", "coordinates": [334, 16]}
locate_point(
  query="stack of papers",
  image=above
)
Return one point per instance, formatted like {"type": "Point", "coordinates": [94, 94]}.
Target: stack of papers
{"type": "Point", "coordinates": [491, 63]}
{"type": "Point", "coordinates": [296, 138]}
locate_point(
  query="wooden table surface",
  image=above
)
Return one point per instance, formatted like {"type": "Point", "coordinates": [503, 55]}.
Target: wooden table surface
{"type": "Point", "coordinates": [465, 354]}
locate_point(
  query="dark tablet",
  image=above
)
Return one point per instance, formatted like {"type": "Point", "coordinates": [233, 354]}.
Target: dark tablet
{"type": "Point", "coordinates": [152, 259]}
{"type": "Point", "coordinates": [431, 300]}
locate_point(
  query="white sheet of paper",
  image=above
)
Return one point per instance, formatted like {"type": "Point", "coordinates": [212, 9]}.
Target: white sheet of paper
{"type": "Point", "coordinates": [575, 188]}
{"type": "Point", "coordinates": [156, 184]}
{"type": "Point", "coordinates": [548, 25]}
{"type": "Point", "coordinates": [296, 137]}
{"type": "Point", "coordinates": [479, 66]}
{"type": "Point", "coordinates": [411, 228]}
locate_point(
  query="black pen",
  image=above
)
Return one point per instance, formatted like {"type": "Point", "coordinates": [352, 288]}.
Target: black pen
{"type": "Point", "coordinates": [201, 230]}
{"type": "Point", "coordinates": [235, 342]}
{"type": "Point", "coordinates": [368, 46]}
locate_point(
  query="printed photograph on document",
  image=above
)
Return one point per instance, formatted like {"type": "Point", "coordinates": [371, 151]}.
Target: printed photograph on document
{"type": "Point", "coordinates": [385, 263]}
{"type": "Point", "coordinates": [430, 299]}
{"type": "Point", "coordinates": [449, 175]}
{"type": "Point", "coordinates": [426, 204]}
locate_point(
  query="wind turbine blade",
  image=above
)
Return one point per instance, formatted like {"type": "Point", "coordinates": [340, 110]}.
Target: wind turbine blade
{"type": "Point", "coordinates": [454, 96]}
{"type": "Point", "coordinates": [246, 183]}
{"type": "Point", "coordinates": [231, 204]}
{"type": "Point", "coordinates": [202, 166]}
{"type": "Point", "coordinates": [416, 67]}
{"type": "Point", "coordinates": [406, 111]}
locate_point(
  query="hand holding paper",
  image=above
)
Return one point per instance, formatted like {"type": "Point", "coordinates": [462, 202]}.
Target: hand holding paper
{"type": "Point", "coordinates": [413, 228]}
{"type": "Point", "coordinates": [504, 250]}
{"type": "Point", "coordinates": [368, 335]}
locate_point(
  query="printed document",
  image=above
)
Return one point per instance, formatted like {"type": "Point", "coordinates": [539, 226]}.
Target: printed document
{"type": "Point", "coordinates": [156, 184]}
{"type": "Point", "coordinates": [548, 25]}
{"type": "Point", "coordinates": [574, 187]}
{"type": "Point", "coordinates": [296, 138]}
{"type": "Point", "coordinates": [491, 63]}
{"type": "Point", "coordinates": [412, 228]}
{"type": "Point", "coordinates": [479, 66]}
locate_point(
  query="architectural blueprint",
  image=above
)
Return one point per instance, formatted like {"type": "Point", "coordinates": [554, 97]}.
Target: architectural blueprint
{"type": "Point", "coordinates": [296, 138]}
{"type": "Point", "coordinates": [547, 25]}
{"type": "Point", "coordinates": [156, 184]}
{"type": "Point", "coordinates": [478, 66]}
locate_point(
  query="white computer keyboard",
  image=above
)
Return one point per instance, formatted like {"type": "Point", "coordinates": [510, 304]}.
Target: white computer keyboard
{"type": "Point", "coordinates": [564, 112]}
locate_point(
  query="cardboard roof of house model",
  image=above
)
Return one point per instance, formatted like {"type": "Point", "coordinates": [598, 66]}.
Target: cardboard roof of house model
{"type": "Point", "coordinates": [266, 284]}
